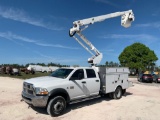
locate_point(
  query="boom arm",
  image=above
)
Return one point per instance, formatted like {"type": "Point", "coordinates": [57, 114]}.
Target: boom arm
{"type": "Point", "coordinates": [126, 18]}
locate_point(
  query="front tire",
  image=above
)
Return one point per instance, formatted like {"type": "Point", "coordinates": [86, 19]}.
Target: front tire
{"type": "Point", "coordinates": [56, 106]}
{"type": "Point", "coordinates": [118, 93]}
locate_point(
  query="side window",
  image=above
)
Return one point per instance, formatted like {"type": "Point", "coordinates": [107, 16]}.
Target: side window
{"type": "Point", "coordinates": [77, 75]}
{"type": "Point", "coordinates": [90, 73]}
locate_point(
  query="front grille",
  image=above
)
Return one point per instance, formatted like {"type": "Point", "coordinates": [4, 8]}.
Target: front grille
{"type": "Point", "coordinates": [28, 88]}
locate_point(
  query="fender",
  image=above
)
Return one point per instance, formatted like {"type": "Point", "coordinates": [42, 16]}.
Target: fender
{"type": "Point", "coordinates": [117, 87]}
{"type": "Point", "coordinates": [60, 91]}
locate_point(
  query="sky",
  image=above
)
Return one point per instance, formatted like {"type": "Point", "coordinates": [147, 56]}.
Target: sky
{"type": "Point", "coordinates": [36, 31]}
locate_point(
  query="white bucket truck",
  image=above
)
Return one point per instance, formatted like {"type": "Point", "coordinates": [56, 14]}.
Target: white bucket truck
{"type": "Point", "coordinates": [70, 85]}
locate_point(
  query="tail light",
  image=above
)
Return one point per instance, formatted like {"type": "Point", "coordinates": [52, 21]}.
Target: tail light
{"type": "Point", "coordinates": [148, 77]}
{"type": "Point", "coordinates": [145, 77]}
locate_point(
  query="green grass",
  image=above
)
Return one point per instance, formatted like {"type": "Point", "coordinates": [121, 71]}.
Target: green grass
{"type": "Point", "coordinates": [26, 76]}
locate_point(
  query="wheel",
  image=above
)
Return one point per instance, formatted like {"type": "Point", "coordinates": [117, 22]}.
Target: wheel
{"type": "Point", "coordinates": [123, 91]}
{"type": "Point", "coordinates": [56, 106]}
{"type": "Point", "coordinates": [142, 80]}
{"type": "Point", "coordinates": [156, 80]}
{"type": "Point", "coordinates": [118, 93]}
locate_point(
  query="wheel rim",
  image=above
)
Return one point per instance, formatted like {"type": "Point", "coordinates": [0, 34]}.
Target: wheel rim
{"type": "Point", "coordinates": [58, 106]}
{"type": "Point", "coordinates": [118, 93]}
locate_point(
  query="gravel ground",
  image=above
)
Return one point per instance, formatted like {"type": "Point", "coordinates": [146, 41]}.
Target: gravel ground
{"type": "Point", "coordinates": [141, 102]}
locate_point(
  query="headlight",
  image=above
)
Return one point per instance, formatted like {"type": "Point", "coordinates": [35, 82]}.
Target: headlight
{"type": "Point", "coordinates": [41, 91]}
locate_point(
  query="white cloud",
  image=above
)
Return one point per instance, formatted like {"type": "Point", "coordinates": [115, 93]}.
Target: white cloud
{"type": "Point", "coordinates": [156, 13]}
{"type": "Point", "coordinates": [109, 50]}
{"type": "Point", "coordinates": [142, 38]}
{"type": "Point", "coordinates": [58, 59]}
{"type": "Point", "coordinates": [21, 16]}
{"type": "Point", "coordinates": [154, 25]}
{"type": "Point", "coordinates": [14, 37]}
{"type": "Point", "coordinates": [55, 59]}
{"type": "Point", "coordinates": [108, 3]}
{"type": "Point", "coordinates": [135, 37]}
{"type": "Point", "coordinates": [11, 36]}
{"type": "Point", "coordinates": [111, 54]}
{"type": "Point", "coordinates": [57, 45]}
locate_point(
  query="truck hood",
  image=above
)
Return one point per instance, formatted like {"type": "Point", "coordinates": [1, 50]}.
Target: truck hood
{"type": "Point", "coordinates": [45, 81]}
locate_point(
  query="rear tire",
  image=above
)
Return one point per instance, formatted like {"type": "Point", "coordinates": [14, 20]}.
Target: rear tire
{"type": "Point", "coordinates": [118, 93]}
{"type": "Point", "coordinates": [56, 106]}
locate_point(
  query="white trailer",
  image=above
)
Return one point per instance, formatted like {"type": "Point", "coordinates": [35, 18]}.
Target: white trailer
{"type": "Point", "coordinates": [15, 71]}
{"type": "Point", "coordinates": [39, 68]}
{"type": "Point", "coordinates": [36, 68]}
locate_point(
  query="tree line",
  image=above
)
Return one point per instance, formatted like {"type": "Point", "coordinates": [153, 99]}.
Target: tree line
{"type": "Point", "coordinates": [136, 56]}
{"type": "Point", "coordinates": [42, 64]}
{"type": "Point", "coordinates": [110, 64]}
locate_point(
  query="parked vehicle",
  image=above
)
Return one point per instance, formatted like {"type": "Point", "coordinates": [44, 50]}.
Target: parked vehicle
{"type": "Point", "coordinates": [15, 71]}
{"type": "Point", "coordinates": [36, 68]}
{"type": "Point", "coordinates": [2, 70]}
{"type": "Point", "coordinates": [9, 70]}
{"type": "Point", "coordinates": [145, 78]}
{"type": "Point", "coordinates": [39, 68]}
{"type": "Point", "coordinates": [133, 72]}
{"type": "Point", "coordinates": [72, 85]}
{"type": "Point", "coordinates": [156, 78]}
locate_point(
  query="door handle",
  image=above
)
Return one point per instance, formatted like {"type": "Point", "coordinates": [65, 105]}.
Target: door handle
{"type": "Point", "coordinates": [84, 82]}
{"type": "Point", "coordinates": [97, 80]}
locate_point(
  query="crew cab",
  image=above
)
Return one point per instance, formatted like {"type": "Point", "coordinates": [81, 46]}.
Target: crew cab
{"type": "Point", "coordinates": [70, 85]}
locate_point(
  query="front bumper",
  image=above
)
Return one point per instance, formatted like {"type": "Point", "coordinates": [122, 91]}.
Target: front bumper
{"type": "Point", "coordinates": [147, 80]}
{"type": "Point", "coordinates": [37, 101]}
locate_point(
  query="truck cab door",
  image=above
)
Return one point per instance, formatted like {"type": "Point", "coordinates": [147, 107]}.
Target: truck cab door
{"type": "Point", "coordinates": [93, 82]}
{"type": "Point", "coordinates": [78, 85]}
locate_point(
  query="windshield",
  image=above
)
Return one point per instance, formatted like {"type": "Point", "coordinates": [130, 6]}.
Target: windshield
{"type": "Point", "coordinates": [61, 73]}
